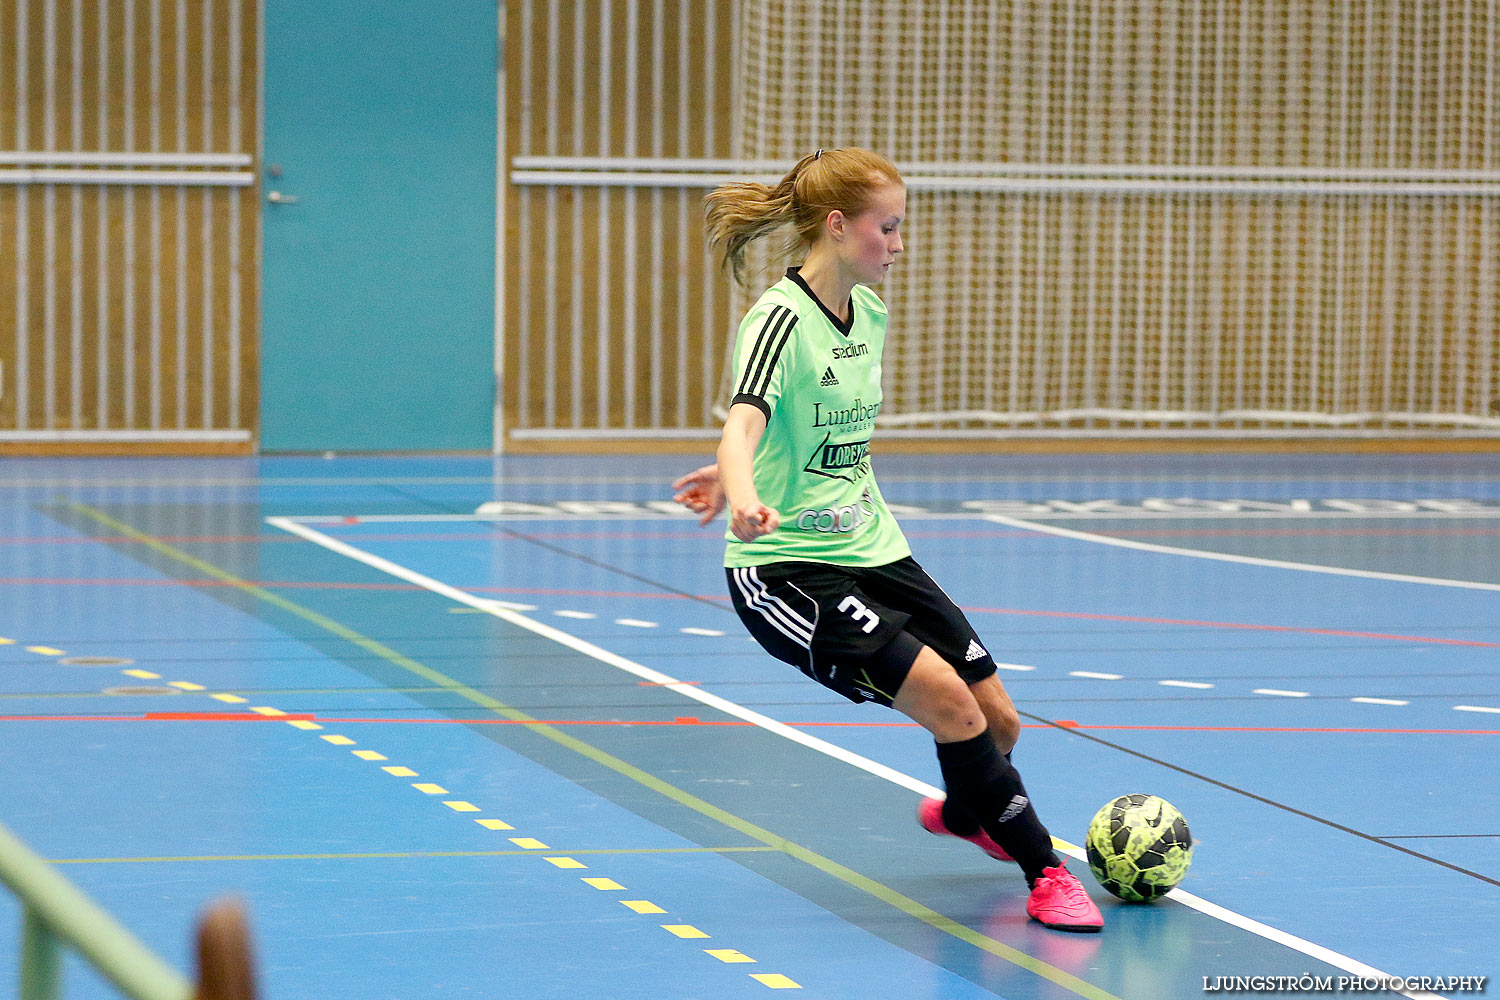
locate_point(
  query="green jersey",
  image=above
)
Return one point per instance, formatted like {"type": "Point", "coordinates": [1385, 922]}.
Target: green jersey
{"type": "Point", "coordinates": [817, 380]}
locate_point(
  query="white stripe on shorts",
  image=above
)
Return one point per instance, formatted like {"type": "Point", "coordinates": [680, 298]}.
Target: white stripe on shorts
{"type": "Point", "coordinates": [772, 608]}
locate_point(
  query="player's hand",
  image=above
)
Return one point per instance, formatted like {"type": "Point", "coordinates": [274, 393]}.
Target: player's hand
{"type": "Point", "coordinates": [700, 492]}
{"type": "Point", "coordinates": [751, 520]}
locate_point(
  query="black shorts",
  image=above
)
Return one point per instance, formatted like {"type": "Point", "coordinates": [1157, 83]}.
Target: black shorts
{"type": "Point", "coordinates": [854, 629]}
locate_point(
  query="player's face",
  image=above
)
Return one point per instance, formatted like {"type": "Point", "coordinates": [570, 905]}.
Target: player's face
{"type": "Point", "coordinates": [872, 239]}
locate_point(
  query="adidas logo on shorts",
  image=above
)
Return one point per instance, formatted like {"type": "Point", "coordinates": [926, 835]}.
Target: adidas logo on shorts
{"type": "Point", "coordinates": [975, 652]}
{"type": "Point", "coordinates": [829, 378]}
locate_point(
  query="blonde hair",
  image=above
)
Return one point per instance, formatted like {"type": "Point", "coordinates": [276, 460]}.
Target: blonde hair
{"type": "Point", "coordinates": [829, 180]}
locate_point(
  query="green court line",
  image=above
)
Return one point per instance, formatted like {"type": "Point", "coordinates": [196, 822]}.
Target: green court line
{"type": "Point", "coordinates": [828, 866]}
{"type": "Point", "coordinates": [536, 852]}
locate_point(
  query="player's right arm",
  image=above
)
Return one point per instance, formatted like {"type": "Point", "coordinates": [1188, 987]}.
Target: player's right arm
{"type": "Point", "coordinates": [748, 517]}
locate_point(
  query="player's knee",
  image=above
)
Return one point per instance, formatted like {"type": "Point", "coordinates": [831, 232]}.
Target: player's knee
{"type": "Point", "coordinates": [1004, 720]}
{"type": "Point", "coordinates": [1005, 726]}
{"type": "Point", "coordinates": [935, 696]}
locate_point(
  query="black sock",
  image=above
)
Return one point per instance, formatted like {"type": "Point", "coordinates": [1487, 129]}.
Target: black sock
{"type": "Point", "coordinates": [984, 786]}
{"type": "Point", "coordinates": [957, 817]}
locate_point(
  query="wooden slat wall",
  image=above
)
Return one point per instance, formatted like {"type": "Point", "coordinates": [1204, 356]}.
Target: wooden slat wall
{"type": "Point", "coordinates": [128, 307]}
{"type": "Point", "coordinates": [1086, 313]}
{"type": "Point", "coordinates": [611, 287]}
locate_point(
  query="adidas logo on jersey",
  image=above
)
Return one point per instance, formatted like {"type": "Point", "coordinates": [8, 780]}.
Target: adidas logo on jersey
{"type": "Point", "coordinates": [829, 379]}
{"type": "Point", "coordinates": [975, 652]}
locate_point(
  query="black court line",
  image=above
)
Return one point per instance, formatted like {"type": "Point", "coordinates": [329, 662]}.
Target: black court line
{"type": "Point", "coordinates": [1383, 842]}
{"type": "Point", "coordinates": [1036, 718]}
{"type": "Point", "coordinates": [1441, 836]}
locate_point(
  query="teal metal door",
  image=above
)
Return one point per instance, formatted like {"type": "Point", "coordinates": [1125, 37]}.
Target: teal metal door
{"type": "Point", "coordinates": [378, 197]}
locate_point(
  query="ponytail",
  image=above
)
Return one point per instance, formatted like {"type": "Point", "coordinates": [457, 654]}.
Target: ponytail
{"type": "Point", "coordinates": [739, 213]}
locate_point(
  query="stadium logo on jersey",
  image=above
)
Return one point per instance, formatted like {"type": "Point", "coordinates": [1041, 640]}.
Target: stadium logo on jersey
{"type": "Point", "coordinates": [850, 351]}
{"type": "Point", "coordinates": [829, 378]}
{"type": "Point", "coordinates": [839, 520]}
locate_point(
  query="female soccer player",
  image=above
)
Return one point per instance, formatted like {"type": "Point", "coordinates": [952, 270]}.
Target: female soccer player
{"type": "Point", "coordinates": [817, 568]}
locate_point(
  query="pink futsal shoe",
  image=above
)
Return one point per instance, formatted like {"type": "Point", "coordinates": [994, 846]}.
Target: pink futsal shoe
{"type": "Point", "coordinates": [1059, 901]}
{"type": "Point", "coordinates": [930, 815]}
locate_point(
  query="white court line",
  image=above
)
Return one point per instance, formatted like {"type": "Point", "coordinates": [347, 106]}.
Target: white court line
{"type": "Point", "coordinates": [1172, 550]}
{"type": "Point", "coordinates": [1322, 954]}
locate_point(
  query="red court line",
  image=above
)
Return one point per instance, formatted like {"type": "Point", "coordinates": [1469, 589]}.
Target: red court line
{"type": "Point", "coordinates": [1245, 626]}
{"type": "Point", "coordinates": [719, 599]}
{"type": "Point", "coordinates": [183, 539]}
{"type": "Point", "coordinates": [225, 717]}
{"type": "Point", "coordinates": [455, 536]}
{"type": "Point", "coordinates": [42, 581]}
{"type": "Point", "coordinates": [694, 721]}
{"type": "Point", "coordinates": [165, 717]}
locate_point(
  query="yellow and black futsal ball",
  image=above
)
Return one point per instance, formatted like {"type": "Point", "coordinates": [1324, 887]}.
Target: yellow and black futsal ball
{"type": "Point", "coordinates": [1139, 847]}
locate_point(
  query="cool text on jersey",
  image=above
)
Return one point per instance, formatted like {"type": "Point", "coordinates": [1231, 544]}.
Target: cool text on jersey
{"type": "Point", "coordinates": [839, 520]}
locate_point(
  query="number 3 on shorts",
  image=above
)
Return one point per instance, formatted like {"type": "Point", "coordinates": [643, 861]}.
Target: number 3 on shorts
{"type": "Point", "coordinates": [859, 612]}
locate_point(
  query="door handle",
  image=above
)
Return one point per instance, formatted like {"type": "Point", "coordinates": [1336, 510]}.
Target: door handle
{"type": "Point", "coordinates": [282, 199]}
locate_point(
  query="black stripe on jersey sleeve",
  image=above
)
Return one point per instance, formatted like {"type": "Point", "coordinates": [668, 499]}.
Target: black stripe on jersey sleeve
{"type": "Point", "coordinates": [764, 343]}
{"type": "Point", "coordinates": [755, 401]}
{"type": "Point", "coordinates": [786, 335]}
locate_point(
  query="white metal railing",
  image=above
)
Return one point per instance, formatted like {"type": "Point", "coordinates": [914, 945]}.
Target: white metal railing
{"type": "Point", "coordinates": [136, 178]}
{"type": "Point", "coordinates": [90, 167]}
{"type": "Point", "coordinates": [1001, 179]}
{"type": "Point", "coordinates": [1023, 178]}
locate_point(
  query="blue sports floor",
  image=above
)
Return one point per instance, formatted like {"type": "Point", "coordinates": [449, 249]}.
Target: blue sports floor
{"type": "Point", "coordinates": [530, 753]}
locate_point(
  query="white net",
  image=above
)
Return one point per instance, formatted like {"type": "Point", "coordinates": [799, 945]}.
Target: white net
{"type": "Point", "coordinates": [1156, 216]}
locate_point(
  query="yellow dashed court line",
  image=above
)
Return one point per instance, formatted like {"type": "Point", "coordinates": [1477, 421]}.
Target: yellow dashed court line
{"type": "Point", "coordinates": [460, 806]}
{"type": "Point", "coordinates": [642, 906]}
{"type": "Point", "coordinates": [267, 711]}
{"type": "Point", "coordinates": [427, 788]}
{"type": "Point", "coordinates": [228, 699]}
{"type": "Point", "coordinates": [775, 980]}
{"type": "Point", "coordinates": [44, 650]}
{"type": "Point", "coordinates": [605, 884]}
{"type": "Point", "coordinates": [368, 755]}
{"type": "Point", "coordinates": [304, 724]}
{"type": "Point", "coordinates": [728, 955]}
{"type": "Point", "coordinates": [683, 930]}
{"type": "Point", "coordinates": [338, 741]}
{"type": "Point", "coordinates": [7, 642]}
{"type": "Point", "coordinates": [530, 844]}
{"type": "Point", "coordinates": [399, 772]}
{"type": "Point", "coordinates": [185, 685]}
{"type": "Point", "coordinates": [770, 980]}
{"type": "Point", "coordinates": [494, 824]}
{"type": "Point", "coordinates": [144, 675]}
